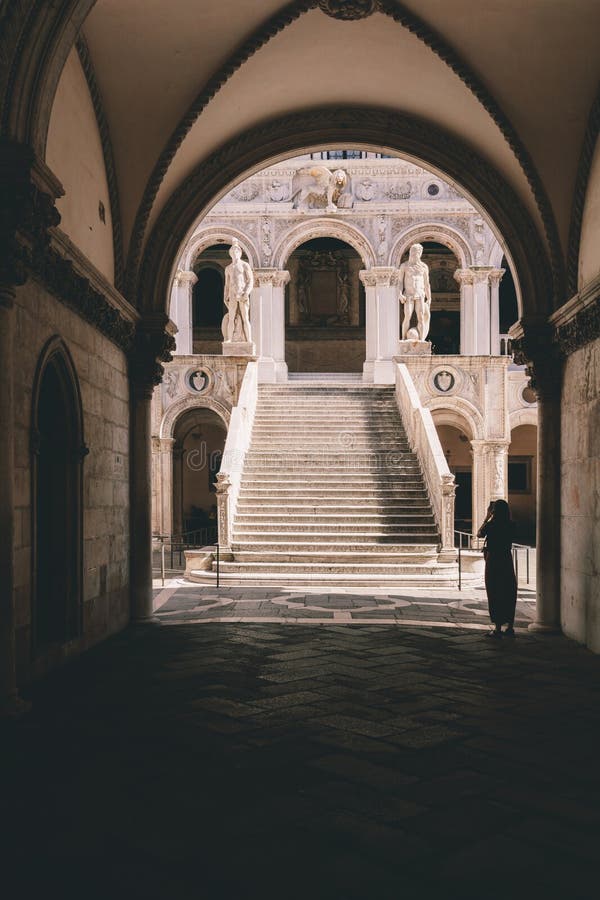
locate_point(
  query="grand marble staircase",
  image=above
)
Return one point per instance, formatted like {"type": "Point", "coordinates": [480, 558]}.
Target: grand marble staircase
{"type": "Point", "coordinates": [331, 493]}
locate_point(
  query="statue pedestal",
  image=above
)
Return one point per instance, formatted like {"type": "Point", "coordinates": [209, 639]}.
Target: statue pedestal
{"type": "Point", "coordinates": [239, 348]}
{"type": "Point", "coordinates": [412, 348]}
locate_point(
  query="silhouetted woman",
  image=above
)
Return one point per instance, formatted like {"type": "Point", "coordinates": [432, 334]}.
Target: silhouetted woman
{"type": "Point", "coordinates": [500, 581]}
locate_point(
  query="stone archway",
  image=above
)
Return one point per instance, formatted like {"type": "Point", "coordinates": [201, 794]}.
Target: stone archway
{"type": "Point", "coordinates": [324, 227]}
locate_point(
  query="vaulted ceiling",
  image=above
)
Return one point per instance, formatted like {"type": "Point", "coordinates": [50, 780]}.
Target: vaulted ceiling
{"type": "Point", "coordinates": [513, 80]}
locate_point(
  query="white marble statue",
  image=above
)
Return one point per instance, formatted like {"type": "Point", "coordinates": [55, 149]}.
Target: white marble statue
{"type": "Point", "coordinates": [415, 295]}
{"type": "Point", "coordinates": [239, 281]}
{"type": "Point", "coordinates": [320, 184]}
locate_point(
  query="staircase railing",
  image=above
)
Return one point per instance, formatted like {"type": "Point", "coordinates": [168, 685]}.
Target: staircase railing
{"type": "Point", "coordinates": [234, 454]}
{"type": "Point", "coordinates": [425, 443]}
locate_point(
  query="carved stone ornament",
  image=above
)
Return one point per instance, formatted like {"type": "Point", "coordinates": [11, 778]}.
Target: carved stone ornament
{"type": "Point", "coordinates": [151, 347]}
{"type": "Point", "coordinates": [198, 380]}
{"type": "Point", "coordinates": [444, 381]}
{"type": "Point", "coordinates": [349, 10]}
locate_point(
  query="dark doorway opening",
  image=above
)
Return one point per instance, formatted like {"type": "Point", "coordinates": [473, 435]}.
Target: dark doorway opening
{"type": "Point", "coordinates": [58, 451]}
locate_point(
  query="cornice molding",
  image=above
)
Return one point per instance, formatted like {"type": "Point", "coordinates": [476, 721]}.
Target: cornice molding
{"type": "Point", "coordinates": [65, 246]}
{"type": "Point", "coordinates": [590, 140]}
{"type": "Point", "coordinates": [76, 287]}
{"type": "Point", "coordinates": [107, 152]}
{"type": "Point", "coordinates": [424, 33]}
{"type": "Point", "coordinates": [577, 322]}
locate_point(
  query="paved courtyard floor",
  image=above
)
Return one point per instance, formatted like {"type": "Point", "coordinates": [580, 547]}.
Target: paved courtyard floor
{"type": "Point", "coordinates": [242, 758]}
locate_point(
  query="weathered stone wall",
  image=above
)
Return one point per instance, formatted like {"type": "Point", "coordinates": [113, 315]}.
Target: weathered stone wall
{"type": "Point", "coordinates": [580, 497]}
{"type": "Point", "coordinates": [102, 374]}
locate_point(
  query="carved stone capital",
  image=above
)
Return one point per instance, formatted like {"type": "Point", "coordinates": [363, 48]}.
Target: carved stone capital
{"type": "Point", "coordinates": [183, 277]}
{"type": "Point", "coordinates": [481, 276]}
{"type": "Point", "coordinates": [349, 10]}
{"type": "Point", "coordinates": [152, 346]}
{"type": "Point", "coordinates": [276, 277]}
{"type": "Point", "coordinates": [27, 211]}
{"type": "Point", "coordinates": [379, 276]}
{"type": "Point", "coordinates": [496, 275]}
{"type": "Point", "coordinates": [464, 276]}
{"type": "Point", "coordinates": [537, 349]}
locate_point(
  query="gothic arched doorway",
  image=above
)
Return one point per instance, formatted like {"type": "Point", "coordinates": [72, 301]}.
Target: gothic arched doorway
{"type": "Point", "coordinates": [325, 308]}
{"type": "Point", "coordinates": [57, 453]}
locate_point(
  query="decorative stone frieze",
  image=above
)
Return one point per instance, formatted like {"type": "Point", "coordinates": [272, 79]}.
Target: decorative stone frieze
{"type": "Point", "coordinates": [535, 348]}
{"type": "Point", "coordinates": [349, 10]}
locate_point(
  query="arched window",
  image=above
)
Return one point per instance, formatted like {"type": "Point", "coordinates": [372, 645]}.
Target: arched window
{"type": "Point", "coordinates": [57, 454]}
{"type": "Point", "coordinates": [208, 308]}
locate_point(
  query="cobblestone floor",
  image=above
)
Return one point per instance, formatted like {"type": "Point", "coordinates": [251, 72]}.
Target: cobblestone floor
{"type": "Point", "coordinates": [244, 759]}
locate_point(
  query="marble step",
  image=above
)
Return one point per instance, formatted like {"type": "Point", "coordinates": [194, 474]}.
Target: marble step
{"type": "Point", "coordinates": [324, 519]}
{"type": "Point", "coordinates": [336, 555]}
{"type": "Point", "coordinates": [341, 537]}
{"type": "Point", "coordinates": [345, 504]}
{"type": "Point", "coordinates": [327, 568]}
{"type": "Point", "coordinates": [329, 546]}
{"type": "Point", "coordinates": [442, 576]}
{"type": "Point", "coordinates": [312, 528]}
{"type": "Point", "coordinates": [291, 495]}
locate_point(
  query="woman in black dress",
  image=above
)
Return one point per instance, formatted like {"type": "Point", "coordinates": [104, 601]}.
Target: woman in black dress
{"type": "Point", "coordinates": [500, 581]}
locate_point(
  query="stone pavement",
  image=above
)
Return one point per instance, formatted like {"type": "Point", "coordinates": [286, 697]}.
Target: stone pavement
{"type": "Point", "coordinates": [181, 601]}
{"type": "Point", "coordinates": [243, 760]}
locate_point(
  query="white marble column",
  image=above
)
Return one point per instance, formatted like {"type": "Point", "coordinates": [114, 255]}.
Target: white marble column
{"type": "Point", "coordinates": [382, 323]}
{"type": "Point", "coordinates": [166, 485]}
{"type": "Point", "coordinates": [141, 504]}
{"type": "Point", "coordinates": [495, 276]}
{"type": "Point", "coordinates": [465, 280]}
{"type": "Point", "coordinates": [498, 470]}
{"type": "Point", "coordinates": [480, 494]}
{"type": "Point", "coordinates": [267, 318]}
{"type": "Point", "coordinates": [481, 311]}
{"type": "Point", "coordinates": [476, 338]}
{"type": "Point", "coordinates": [181, 311]}
{"type": "Point", "coordinates": [10, 702]}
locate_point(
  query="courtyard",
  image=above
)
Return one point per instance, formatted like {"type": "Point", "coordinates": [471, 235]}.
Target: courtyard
{"type": "Point", "coordinates": [244, 759]}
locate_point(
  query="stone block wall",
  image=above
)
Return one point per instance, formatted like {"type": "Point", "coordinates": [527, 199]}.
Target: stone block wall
{"type": "Point", "coordinates": [580, 497]}
{"type": "Point", "coordinates": [102, 373]}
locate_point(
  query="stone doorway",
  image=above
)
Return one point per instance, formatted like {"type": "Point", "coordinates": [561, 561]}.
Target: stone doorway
{"type": "Point", "coordinates": [199, 436]}
{"type": "Point", "coordinates": [58, 451]}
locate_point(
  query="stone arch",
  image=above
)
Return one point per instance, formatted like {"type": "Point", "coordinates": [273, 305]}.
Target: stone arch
{"type": "Point", "coordinates": [496, 255]}
{"type": "Point", "coordinates": [219, 234]}
{"type": "Point", "coordinates": [324, 226]}
{"type": "Point", "coordinates": [524, 416]}
{"type": "Point", "coordinates": [460, 414]}
{"type": "Point", "coordinates": [443, 234]}
{"type": "Point", "coordinates": [173, 413]}
{"type": "Point", "coordinates": [370, 129]}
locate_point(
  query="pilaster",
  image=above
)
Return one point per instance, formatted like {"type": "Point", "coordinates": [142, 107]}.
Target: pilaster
{"type": "Point", "coordinates": [153, 345]}
{"type": "Point", "coordinates": [382, 323]}
{"type": "Point", "coordinates": [495, 276]}
{"type": "Point", "coordinates": [536, 348]}
{"type": "Point", "coordinates": [181, 311]}
{"type": "Point", "coordinates": [267, 317]}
